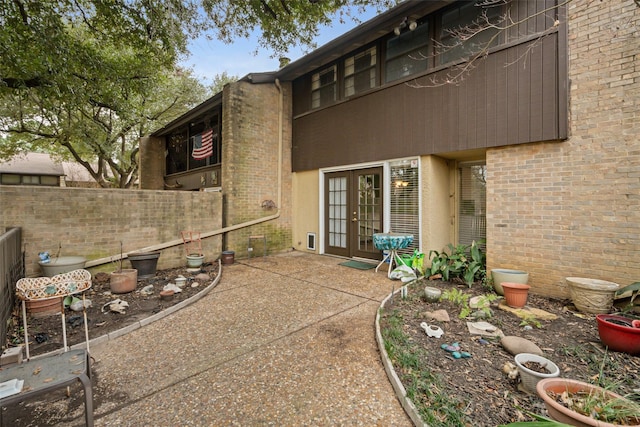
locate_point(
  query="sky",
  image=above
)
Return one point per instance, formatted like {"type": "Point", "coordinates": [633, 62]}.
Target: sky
{"type": "Point", "coordinates": [211, 57]}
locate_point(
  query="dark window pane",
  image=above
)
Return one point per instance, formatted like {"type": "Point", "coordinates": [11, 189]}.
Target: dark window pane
{"type": "Point", "coordinates": [464, 20]}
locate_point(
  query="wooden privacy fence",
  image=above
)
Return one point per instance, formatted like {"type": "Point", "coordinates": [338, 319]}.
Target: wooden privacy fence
{"type": "Point", "coordinates": [11, 269]}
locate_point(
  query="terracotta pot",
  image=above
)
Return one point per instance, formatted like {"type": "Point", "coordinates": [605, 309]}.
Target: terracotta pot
{"type": "Point", "coordinates": [565, 415]}
{"type": "Point", "coordinates": [38, 308]}
{"type": "Point", "coordinates": [618, 333]}
{"type": "Point", "coordinates": [501, 275]}
{"type": "Point", "coordinates": [515, 294]}
{"type": "Point", "coordinates": [529, 377]}
{"type": "Point", "coordinates": [123, 281]}
{"type": "Point", "coordinates": [592, 295]}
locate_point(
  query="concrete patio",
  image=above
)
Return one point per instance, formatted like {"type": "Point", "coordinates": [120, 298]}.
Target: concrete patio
{"type": "Point", "coordinates": [283, 340]}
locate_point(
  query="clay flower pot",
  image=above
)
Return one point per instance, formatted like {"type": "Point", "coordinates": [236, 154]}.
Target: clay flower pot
{"type": "Point", "coordinates": [123, 281]}
{"type": "Point", "coordinates": [618, 333]}
{"type": "Point", "coordinates": [501, 275]}
{"type": "Point", "coordinates": [515, 294]}
{"type": "Point", "coordinates": [561, 413]}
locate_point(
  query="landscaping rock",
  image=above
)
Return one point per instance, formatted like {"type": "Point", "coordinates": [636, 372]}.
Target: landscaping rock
{"type": "Point", "coordinates": [438, 315]}
{"type": "Point", "coordinates": [516, 345]}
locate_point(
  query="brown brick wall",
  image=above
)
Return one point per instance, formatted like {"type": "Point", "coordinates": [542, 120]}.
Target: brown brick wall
{"type": "Point", "coordinates": [93, 222]}
{"type": "Point", "coordinates": [572, 208]}
{"type": "Point", "coordinates": [251, 129]}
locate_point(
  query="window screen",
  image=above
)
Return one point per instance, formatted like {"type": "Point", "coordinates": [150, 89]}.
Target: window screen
{"type": "Point", "coordinates": [472, 203]}
{"type": "Point", "coordinates": [404, 203]}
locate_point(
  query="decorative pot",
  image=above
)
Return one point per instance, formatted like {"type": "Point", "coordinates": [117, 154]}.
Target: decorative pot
{"type": "Point", "coordinates": [432, 294]}
{"type": "Point", "coordinates": [501, 275]}
{"type": "Point", "coordinates": [592, 295]}
{"type": "Point", "coordinates": [123, 281]}
{"type": "Point", "coordinates": [565, 415]}
{"type": "Point", "coordinates": [529, 377]}
{"type": "Point", "coordinates": [227, 257]}
{"type": "Point", "coordinates": [38, 308]}
{"type": "Point", "coordinates": [618, 333]}
{"type": "Point", "coordinates": [515, 294]}
{"type": "Point", "coordinates": [195, 260]}
{"type": "Point", "coordinates": [64, 264]}
{"type": "Point", "coordinates": [145, 263]}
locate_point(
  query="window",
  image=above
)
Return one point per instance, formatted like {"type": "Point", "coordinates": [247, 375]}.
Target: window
{"type": "Point", "coordinates": [323, 87]}
{"type": "Point", "coordinates": [188, 150]}
{"type": "Point", "coordinates": [16, 179]}
{"type": "Point", "coordinates": [466, 18]}
{"type": "Point", "coordinates": [472, 223]}
{"type": "Point", "coordinates": [407, 53]}
{"type": "Point", "coordinates": [405, 205]}
{"type": "Point", "coordinates": [360, 72]}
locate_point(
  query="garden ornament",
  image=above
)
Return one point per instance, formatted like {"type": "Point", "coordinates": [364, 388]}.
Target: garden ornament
{"type": "Point", "coordinates": [432, 330]}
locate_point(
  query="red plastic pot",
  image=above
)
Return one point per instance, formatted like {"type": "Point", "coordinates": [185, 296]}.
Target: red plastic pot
{"type": "Point", "coordinates": [618, 333]}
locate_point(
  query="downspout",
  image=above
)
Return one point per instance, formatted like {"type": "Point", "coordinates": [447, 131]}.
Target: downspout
{"type": "Point", "coordinates": [178, 242]}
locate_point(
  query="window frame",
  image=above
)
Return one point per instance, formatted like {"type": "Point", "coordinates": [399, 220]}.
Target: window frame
{"type": "Point", "coordinates": [319, 89]}
{"type": "Point", "coordinates": [370, 69]}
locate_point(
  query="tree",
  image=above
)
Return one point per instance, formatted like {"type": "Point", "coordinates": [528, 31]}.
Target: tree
{"type": "Point", "coordinates": [220, 80]}
{"type": "Point", "coordinates": [85, 79]}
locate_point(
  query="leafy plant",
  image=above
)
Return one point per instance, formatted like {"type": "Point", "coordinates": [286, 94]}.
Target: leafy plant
{"type": "Point", "coordinates": [531, 320]}
{"type": "Point", "coordinates": [634, 288]}
{"type": "Point", "coordinates": [467, 262]}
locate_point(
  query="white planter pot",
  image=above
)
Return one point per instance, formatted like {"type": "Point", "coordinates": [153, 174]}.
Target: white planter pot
{"type": "Point", "coordinates": [530, 378]}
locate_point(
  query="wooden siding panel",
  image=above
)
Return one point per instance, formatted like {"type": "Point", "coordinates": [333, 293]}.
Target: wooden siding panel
{"type": "Point", "coordinates": [525, 107]}
{"type": "Point", "coordinates": [497, 104]}
{"type": "Point", "coordinates": [550, 92]}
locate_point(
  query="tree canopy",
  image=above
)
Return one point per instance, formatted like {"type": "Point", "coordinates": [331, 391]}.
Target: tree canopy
{"type": "Point", "coordinates": [85, 79]}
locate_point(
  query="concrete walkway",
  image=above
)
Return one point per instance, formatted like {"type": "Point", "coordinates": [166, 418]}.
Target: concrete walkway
{"type": "Point", "coordinates": [285, 340]}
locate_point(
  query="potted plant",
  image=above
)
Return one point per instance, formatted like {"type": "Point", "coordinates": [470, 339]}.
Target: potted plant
{"type": "Point", "coordinates": [619, 333]}
{"type": "Point", "coordinates": [123, 281]}
{"type": "Point", "coordinates": [581, 404]}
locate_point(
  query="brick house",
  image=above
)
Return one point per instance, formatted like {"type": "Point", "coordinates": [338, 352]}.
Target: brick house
{"type": "Point", "coordinates": [535, 148]}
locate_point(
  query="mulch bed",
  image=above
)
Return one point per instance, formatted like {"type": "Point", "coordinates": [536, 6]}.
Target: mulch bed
{"type": "Point", "coordinates": [488, 397]}
{"type": "Point", "coordinates": [45, 333]}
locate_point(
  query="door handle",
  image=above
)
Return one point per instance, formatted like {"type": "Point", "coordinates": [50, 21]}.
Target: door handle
{"type": "Point", "coordinates": [354, 219]}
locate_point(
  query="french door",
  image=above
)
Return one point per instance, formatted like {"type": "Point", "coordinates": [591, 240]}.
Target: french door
{"type": "Point", "coordinates": [353, 212]}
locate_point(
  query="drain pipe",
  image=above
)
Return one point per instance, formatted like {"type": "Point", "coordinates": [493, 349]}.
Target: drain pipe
{"type": "Point", "coordinates": [178, 242]}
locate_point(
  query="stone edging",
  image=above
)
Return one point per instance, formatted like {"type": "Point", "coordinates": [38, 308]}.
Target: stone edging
{"type": "Point", "coordinates": [399, 389]}
{"type": "Point", "coordinates": [140, 323]}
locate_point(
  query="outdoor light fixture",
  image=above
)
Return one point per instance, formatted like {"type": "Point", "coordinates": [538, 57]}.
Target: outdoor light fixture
{"type": "Point", "coordinates": [412, 25]}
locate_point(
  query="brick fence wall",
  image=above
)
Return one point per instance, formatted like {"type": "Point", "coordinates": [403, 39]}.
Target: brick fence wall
{"type": "Point", "coordinates": [572, 208]}
{"type": "Point", "coordinates": [93, 222]}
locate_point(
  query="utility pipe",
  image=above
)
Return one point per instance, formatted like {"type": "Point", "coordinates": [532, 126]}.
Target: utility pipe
{"type": "Point", "coordinates": [246, 224]}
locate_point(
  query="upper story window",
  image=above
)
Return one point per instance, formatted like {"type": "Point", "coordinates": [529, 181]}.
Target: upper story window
{"type": "Point", "coordinates": [360, 72]}
{"type": "Point", "coordinates": [323, 87]}
{"type": "Point", "coordinates": [465, 31]}
{"type": "Point", "coordinates": [407, 53]}
{"type": "Point", "coordinates": [194, 146]}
